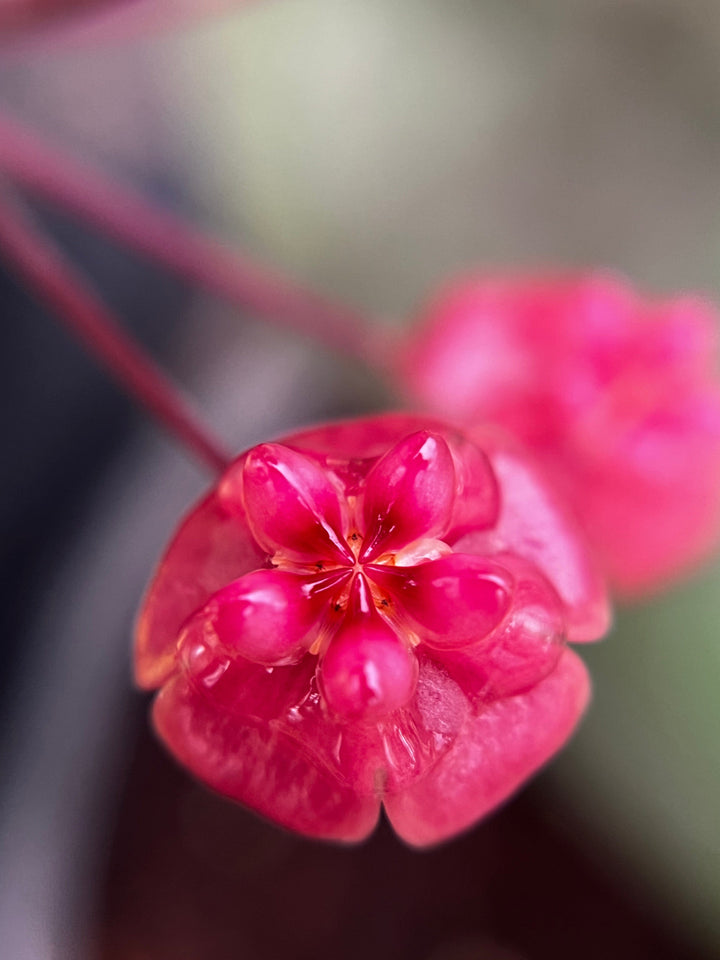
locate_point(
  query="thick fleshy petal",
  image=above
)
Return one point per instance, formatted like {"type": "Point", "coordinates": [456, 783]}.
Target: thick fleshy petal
{"type": "Point", "coordinates": [524, 648]}
{"type": "Point", "coordinates": [393, 752]}
{"type": "Point", "coordinates": [477, 502]}
{"type": "Point", "coordinates": [493, 754]}
{"type": "Point", "coordinates": [451, 602]}
{"type": "Point", "coordinates": [268, 616]}
{"type": "Point", "coordinates": [343, 703]}
{"type": "Point", "coordinates": [292, 506]}
{"type": "Point", "coordinates": [363, 439]}
{"type": "Point", "coordinates": [409, 493]}
{"type": "Point", "coordinates": [533, 525]}
{"type": "Point", "coordinates": [209, 550]}
{"type": "Point", "coordinates": [367, 672]}
{"type": "Point", "coordinates": [261, 760]}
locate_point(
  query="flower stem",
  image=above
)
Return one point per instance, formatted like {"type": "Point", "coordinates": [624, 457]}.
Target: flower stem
{"type": "Point", "coordinates": [134, 219]}
{"type": "Point", "coordinates": [54, 280]}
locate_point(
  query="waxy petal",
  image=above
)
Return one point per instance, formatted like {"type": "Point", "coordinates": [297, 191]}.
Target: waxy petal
{"type": "Point", "coordinates": [393, 752]}
{"type": "Point", "coordinates": [292, 505]}
{"type": "Point", "coordinates": [263, 761]}
{"type": "Point", "coordinates": [363, 439]}
{"type": "Point", "coordinates": [409, 494]}
{"type": "Point", "coordinates": [367, 671]}
{"type": "Point", "coordinates": [477, 501]}
{"type": "Point", "coordinates": [493, 754]}
{"type": "Point", "coordinates": [267, 616]}
{"type": "Point", "coordinates": [451, 602]}
{"type": "Point", "coordinates": [524, 648]}
{"type": "Point", "coordinates": [533, 525]}
{"type": "Point", "coordinates": [208, 551]}
{"type": "Point", "coordinates": [313, 689]}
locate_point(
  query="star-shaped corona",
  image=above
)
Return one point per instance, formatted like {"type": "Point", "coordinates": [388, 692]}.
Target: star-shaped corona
{"type": "Point", "coordinates": [371, 613]}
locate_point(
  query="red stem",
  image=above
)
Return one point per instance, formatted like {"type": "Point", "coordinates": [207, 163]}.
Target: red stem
{"type": "Point", "coordinates": [136, 221]}
{"type": "Point", "coordinates": [37, 260]}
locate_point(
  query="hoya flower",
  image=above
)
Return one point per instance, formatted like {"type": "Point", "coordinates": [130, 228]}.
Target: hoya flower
{"type": "Point", "coordinates": [373, 612]}
{"type": "Point", "coordinates": [617, 396]}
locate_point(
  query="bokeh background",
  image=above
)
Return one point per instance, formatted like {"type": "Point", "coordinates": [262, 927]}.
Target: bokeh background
{"type": "Point", "coordinates": [371, 148]}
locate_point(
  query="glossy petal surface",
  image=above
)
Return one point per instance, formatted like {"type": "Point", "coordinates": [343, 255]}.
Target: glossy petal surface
{"type": "Point", "coordinates": [208, 551]}
{"type": "Point", "coordinates": [292, 506]}
{"type": "Point", "coordinates": [367, 671]}
{"type": "Point", "coordinates": [409, 493]}
{"type": "Point", "coordinates": [525, 647]}
{"type": "Point", "coordinates": [477, 499]}
{"type": "Point", "coordinates": [262, 763]}
{"type": "Point", "coordinates": [265, 616]}
{"type": "Point", "coordinates": [452, 602]}
{"type": "Point", "coordinates": [492, 755]}
{"type": "Point", "coordinates": [533, 524]}
{"type": "Point", "coordinates": [387, 608]}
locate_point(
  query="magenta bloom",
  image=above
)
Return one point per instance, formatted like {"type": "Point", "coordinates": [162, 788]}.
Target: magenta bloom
{"type": "Point", "coordinates": [617, 396]}
{"type": "Point", "coordinates": [371, 612]}
{"type": "Point", "coordinates": [102, 18]}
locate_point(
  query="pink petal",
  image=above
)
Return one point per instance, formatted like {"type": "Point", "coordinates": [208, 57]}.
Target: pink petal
{"type": "Point", "coordinates": [267, 616]}
{"type": "Point", "coordinates": [524, 648]}
{"type": "Point", "coordinates": [409, 493]}
{"type": "Point", "coordinates": [533, 525]}
{"type": "Point", "coordinates": [362, 439]}
{"type": "Point", "coordinates": [452, 602]}
{"type": "Point", "coordinates": [287, 700]}
{"type": "Point", "coordinates": [367, 672]}
{"type": "Point", "coordinates": [391, 753]}
{"type": "Point", "coordinates": [208, 551]}
{"type": "Point", "coordinates": [261, 761]}
{"type": "Point", "coordinates": [680, 339]}
{"type": "Point", "coordinates": [292, 505]}
{"type": "Point", "coordinates": [494, 753]}
{"type": "Point", "coordinates": [477, 502]}
{"type": "Point", "coordinates": [653, 510]}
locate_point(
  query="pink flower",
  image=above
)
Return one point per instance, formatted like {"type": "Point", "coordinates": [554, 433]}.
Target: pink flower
{"type": "Point", "coordinates": [618, 398]}
{"type": "Point", "coordinates": [102, 18]}
{"type": "Point", "coordinates": [371, 612]}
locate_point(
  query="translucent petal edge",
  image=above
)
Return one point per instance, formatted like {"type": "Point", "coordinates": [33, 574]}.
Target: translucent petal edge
{"type": "Point", "coordinates": [496, 751]}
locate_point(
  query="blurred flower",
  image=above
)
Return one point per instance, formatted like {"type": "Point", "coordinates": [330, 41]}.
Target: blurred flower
{"type": "Point", "coordinates": [618, 397]}
{"type": "Point", "coordinates": [22, 13]}
{"type": "Point", "coordinates": [102, 18]}
{"type": "Point", "coordinates": [373, 611]}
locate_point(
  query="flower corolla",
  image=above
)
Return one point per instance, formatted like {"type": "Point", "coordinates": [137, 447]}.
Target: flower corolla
{"type": "Point", "coordinates": [617, 397]}
{"type": "Point", "coordinates": [371, 613]}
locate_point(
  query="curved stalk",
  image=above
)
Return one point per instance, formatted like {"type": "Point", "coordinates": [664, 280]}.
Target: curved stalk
{"type": "Point", "coordinates": [132, 218]}
{"type": "Point", "coordinates": [54, 281]}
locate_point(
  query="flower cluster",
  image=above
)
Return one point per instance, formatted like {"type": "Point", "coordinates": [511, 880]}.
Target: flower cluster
{"type": "Point", "coordinates": [617, 397]}
{"type": "Point", "coordinates": [365, 613]}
